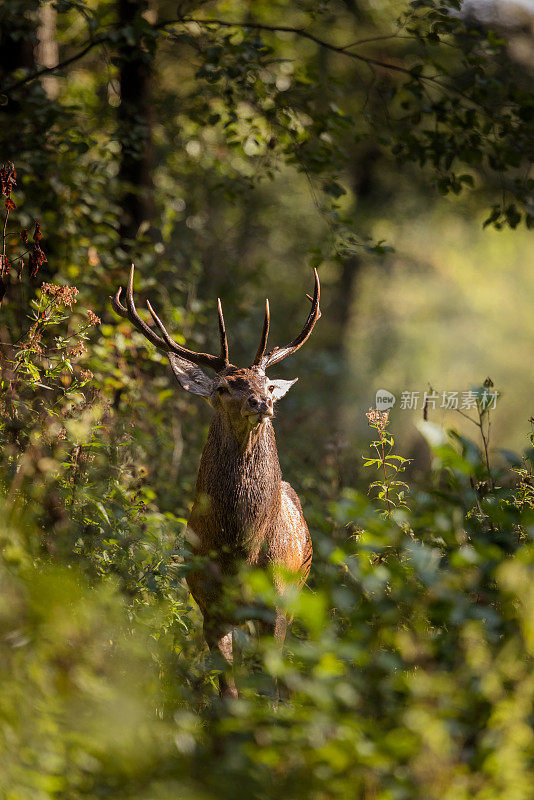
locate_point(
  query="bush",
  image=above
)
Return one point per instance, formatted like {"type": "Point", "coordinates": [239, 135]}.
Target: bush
{"type": "Point", "coordinates": [409, 668]}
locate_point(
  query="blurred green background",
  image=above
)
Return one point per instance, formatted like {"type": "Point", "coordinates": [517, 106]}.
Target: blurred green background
{"type": "Point", "coordinates": [228, 148]}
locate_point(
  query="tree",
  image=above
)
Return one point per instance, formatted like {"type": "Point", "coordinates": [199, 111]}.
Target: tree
{"type": "Point", "coordinates": [450, 95]}
{"type": "Point", "coordinates": [135, 56]}
{"type": "Point", "coordinates": [258, 139]}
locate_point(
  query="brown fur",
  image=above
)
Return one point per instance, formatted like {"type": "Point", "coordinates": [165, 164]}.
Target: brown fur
{"type": "Point", "coordinates": [243, 511]}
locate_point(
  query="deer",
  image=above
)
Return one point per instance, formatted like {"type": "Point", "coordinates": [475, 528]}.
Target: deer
{"type": "Point", "coordinates": [242, 512]}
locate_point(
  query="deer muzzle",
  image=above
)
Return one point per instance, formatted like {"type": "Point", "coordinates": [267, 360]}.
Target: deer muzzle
{"type": "Point", "coordinates": [259, 408]}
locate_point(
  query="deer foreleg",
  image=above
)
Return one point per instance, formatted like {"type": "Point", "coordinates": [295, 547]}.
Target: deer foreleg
{"type": "Point", "coordinates": [280, 628]}
{"type": "Point", "coordinates": [219, 641]}
{"type": "Point", "coordinates": [277, 629]}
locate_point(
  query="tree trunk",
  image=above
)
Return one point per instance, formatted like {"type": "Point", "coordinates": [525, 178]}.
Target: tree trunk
{"type": "Point", "coordinates": [340, 312]}
{"type": "Point", "coordinates": [48, 50]}
{"type": "Point", "coordinates": [134, 124]}
{"type": "Point", "coordinates": [17, 41]}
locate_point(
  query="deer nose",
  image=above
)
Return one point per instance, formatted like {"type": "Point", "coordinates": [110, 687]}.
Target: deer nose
{"type": "Point", "coordinates": [263, 406]}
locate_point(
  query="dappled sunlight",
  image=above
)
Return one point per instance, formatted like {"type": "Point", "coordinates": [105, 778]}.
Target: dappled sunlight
{"type": "Point", "coordinates": [178, 622]}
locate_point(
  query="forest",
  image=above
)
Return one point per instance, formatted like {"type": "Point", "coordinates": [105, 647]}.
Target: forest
{"type": "Point", "coordinates": [229, 148]}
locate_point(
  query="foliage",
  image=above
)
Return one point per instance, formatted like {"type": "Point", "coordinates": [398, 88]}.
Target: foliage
{"type": "Point", "coordinates": [445, 93]}
{"type": "Point", "coordinates": [391, 493]}
{"type": "Point", "coordinates": [409, 670]}
{"type": "Point", "coordinates": [275, 135]}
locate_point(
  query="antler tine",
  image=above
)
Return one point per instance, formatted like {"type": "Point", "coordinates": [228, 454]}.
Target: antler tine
{"type": "Point", "coordinates": [279, 353]}
{"type": "Point", "coordinates": [166, 343]}
{"type": "Point", "coordinates": [264, 335]}
{"type": "Point", "coordinates": [130, 312]}
{"type": "Point", "coordinates": [133, 316]}
{"type": "Point", "coordinates": [171, 344]}
{"type": "Point", "coordinates": [222, 333]}
{"type": "Point", "coordinates": [216, 362]}
{"type": "Point", "coordinates": [116, 304]}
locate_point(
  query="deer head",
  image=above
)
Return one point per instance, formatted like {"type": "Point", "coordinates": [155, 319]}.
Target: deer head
{"type": "Point", "coordinates": [246, 396]}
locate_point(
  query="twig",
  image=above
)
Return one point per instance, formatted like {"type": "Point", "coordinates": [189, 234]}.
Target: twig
{"type": "Point", "coordinates": [485, 441]}
{"type": "Point", "coordinates": [341, 49]}
{"type": "Point", "coordinates": [38, 73]}
{"type": "Point", "coordinates": [75, 460]}
{"type": "Point", "coordinates": [384, 468]}
{"type": "Point", "coordinates": [301, 32]}
{"type": "Point", "coordinates": [485, 438]}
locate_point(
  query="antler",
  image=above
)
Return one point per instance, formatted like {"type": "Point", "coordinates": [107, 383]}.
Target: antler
{"type": "Point", "coordinates": [167, 344]}
{"type": "Point", "coordinates": [264, 334]}
{"type": "Point", "coordinates": [278, 353]}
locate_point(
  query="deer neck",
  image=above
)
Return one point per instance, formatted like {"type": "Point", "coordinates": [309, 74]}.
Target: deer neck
{"type": "Point", "coordinates": [239, 483]}
{"type": "Point", "coordinates": [242, 455]}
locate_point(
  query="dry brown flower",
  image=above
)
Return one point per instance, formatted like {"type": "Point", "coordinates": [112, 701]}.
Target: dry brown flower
{"type": "Point", "coordinates": [37, 255]}
{"type": "Point", "coordinates": [78, 350]}
{"type": "Point", "coordinates": [65, 295]}
{"type": "Point", "coordinates": [5, 265]}
{"type": "Point", "coordinates": [92, 317]}
{"type": "Point", "coordinates": [378, 419]}
{"type": "Point", "coordinates": [8, 179]}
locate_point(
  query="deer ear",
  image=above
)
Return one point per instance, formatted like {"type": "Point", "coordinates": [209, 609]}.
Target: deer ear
{"type": "Point", "coordinates": [190, 377]}
{"type": "Point", "coordinates": [279, 388]}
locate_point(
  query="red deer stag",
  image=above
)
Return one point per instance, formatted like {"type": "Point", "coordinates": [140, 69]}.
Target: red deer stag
{"type": "Point", "coordinates": [243, 511]}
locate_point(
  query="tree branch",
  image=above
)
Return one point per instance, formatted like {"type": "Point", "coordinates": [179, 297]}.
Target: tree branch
{"type": "Point", "coordinates": [340, 49]}
{"type": "Point", "coordinates": [47, 70]}
{"type": "Point", "coordinates": [302, 32]}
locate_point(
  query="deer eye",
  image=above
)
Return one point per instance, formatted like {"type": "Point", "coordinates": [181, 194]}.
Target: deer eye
{"type": "Point", "coordinates": [271, 388]}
